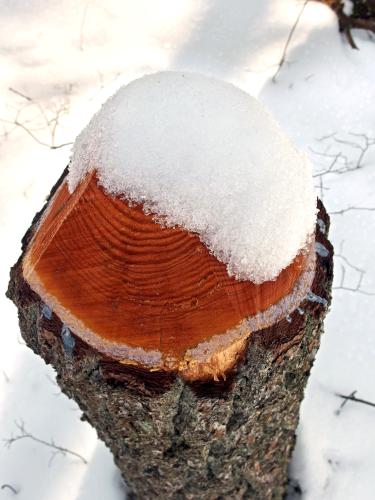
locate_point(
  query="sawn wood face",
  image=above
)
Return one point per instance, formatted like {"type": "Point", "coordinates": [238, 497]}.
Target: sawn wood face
{"type": "Point", "coordinates": [134, 282]}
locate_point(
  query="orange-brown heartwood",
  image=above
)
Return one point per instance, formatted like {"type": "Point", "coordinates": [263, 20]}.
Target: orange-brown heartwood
{"type": "Point", "coordinates": [141, 292]}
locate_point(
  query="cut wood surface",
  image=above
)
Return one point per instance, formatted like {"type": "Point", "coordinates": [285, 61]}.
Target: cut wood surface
{"type": "Point", "coordinates": [173, 438]}
{"type": "Point", "coordinates": [146, 294]}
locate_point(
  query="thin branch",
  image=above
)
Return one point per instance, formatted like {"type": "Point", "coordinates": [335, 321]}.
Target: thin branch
{"type": "Point", "coordinates": [360, 272]}
{"type": "Point", "coordinates": [352, 397]}
{"type": "Point", "coordinates": [368, 143]}
{"type": "Point", "coordinates": [351, 208]}
{"type": "Point", "coordinates": [19, 93]}
{"type": "Point", "coordinates": [289, 39]}
{"type": "Point", "coordinates": [28, 131]}
{"type": "Point", "coordinates": [10, 487]}
{"type": "Point", "coordinates": [331, 168]}
{"type": "Point", "coordinates": [321, 188]}
{"type": "Point", "coordinates": [339, 162]}
{"type": "Point", "coordinates": [47, 118]}
{"type": "Point", "coordinates": [325, 137]}
{"type": "Point", "coordinates": [358, 286]}
{"type": "Point", "coordinates": [24, 434]}
{"type": "Point", "coordinates": [339, 410]}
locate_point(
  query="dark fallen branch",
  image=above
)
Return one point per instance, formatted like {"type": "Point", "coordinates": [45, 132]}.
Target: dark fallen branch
{"type": "Point", "coordinates": [362, 17]}
{"type": "Point", "coordinates": [352, 397]}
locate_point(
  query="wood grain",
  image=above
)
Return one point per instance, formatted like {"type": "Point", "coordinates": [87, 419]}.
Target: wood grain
{"type": "Point", "coordinates": [134, 282]}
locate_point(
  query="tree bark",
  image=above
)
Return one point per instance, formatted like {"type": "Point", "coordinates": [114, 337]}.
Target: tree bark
{"type": "Point", "coordinates": [172, 439]}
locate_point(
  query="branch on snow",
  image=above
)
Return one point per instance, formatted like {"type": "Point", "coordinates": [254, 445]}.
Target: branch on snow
{"type": "Point", "coordinates": [352, 397]}
{"type": "Point", "coordinates": [362, 16]}
{"type": "Point", "coordinates": [58, 450]}
{"type": "Point", "coordinates": [37, 121]}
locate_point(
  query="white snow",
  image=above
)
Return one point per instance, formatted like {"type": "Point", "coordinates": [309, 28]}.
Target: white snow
{"type": "Point", "coordinates": [348, 7]}
{"type": "Point", "coordinates": [205, 155]}
{"type": "Point", "coordinates": [78, 53]}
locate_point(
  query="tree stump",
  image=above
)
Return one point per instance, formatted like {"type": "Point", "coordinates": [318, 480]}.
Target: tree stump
{"type": "Point", "coordinates": [209, 422]}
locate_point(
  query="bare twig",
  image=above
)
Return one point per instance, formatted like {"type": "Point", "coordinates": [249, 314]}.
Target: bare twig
{"type": "Point", "coordinates": [339, 410]}
{"type": "Point", "coordinates": [350, 209]}
{"type": "Point", "coordinates": [24, 434]}
{"type": "Point", "coordinates": [325, 137]}
{"type": "Point", "coordinates": [357, 288]}
{"type": "Point", "coordinates": [287, 43]}
{"type": "Point", "coordinates": [336, 158]}
{"type": "Point", "coordinates": [363, 148]}
{"type": "Point", "coordinates": [352, 397]}
{"type": "Point", "coordinates": [360, 273]}
{"type": "Point", "coordinates": [321, 188]}
{"type": "Point", "coordinates": [19, 93]}
{"type": "Point", "coordinates": [339, 162]}
{"type": "Point", "coordinates": [10, 487]}
{"type": "Point", "coordinates": [28, 131]}
{"type": "Point", "coordinates": [47, 118]}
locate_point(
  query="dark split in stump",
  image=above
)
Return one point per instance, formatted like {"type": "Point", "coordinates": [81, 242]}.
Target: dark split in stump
{"type": "Point", "coordinates": [150, 336]}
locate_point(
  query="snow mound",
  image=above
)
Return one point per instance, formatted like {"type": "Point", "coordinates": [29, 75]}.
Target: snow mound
{"type": "Point", "coordinates": [203, 154]}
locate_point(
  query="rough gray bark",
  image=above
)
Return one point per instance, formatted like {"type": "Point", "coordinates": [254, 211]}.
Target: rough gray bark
{"type": "Point", "coordinates": [172, 440]}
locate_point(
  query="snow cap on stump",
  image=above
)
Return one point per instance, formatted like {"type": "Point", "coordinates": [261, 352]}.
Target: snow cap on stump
{"type": "Point", "coordinates": [204, 155]}
{"type": "Point", "coordinates": [185, 224]}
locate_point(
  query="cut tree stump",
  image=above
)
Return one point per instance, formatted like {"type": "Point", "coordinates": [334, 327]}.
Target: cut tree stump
{"type": "Point", "coordinates": [193, 379]}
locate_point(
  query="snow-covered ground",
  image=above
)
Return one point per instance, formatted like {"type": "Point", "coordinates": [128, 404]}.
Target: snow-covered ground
{"type": "Point", "coordinates": [63, 59]}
